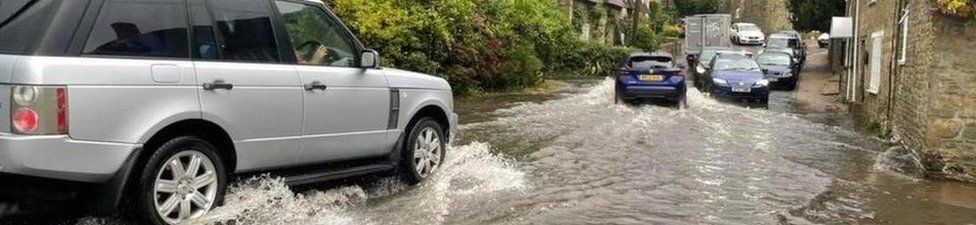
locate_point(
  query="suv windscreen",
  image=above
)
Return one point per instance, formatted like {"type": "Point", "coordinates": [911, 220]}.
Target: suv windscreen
{"type": "Point", "coordinates": [123, 28]}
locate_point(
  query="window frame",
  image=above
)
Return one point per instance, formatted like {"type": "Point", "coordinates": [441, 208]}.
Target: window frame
{"type": "Point", "coordinates": [345, 31]}
{"type": "Point", "coordinates": [276, 30]}
{"type": "Point", "coordinates": [875, 66]}
{"type": "Point", "coordinates": [905, 21]}
{"type": "Point", "coordinates": [90, 19]}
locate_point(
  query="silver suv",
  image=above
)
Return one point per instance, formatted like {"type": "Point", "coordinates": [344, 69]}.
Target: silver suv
{"type": "Point", "coordinates": [154, 105]}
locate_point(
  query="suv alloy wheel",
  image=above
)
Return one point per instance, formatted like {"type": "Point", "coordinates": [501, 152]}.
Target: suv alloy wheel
{"type": "Point", "coordinates": [424, 150]}
{"type": "Point", "coordinates": [183, 179]}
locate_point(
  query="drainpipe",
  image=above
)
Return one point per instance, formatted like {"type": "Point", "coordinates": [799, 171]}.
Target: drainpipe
{"type": "Point", "coordinates": [900, 17]}
{"type": "Point", "coordinates": [855, 61]}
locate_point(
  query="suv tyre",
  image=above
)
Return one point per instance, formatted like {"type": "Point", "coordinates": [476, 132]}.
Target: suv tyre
{"type": "Point", "coordinates": [424, 150]}
{"type": "Point", "coordinates": [184, 178]}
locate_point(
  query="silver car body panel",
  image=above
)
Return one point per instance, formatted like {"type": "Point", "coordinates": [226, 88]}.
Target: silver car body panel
{"type": "Point", "coordinates": [60, 157]}
{"type": "Point", "coordinates": [349, 118]}
{"type": "Point", "coordinates": [115, 100]}
{"type": "Point", "coordinates": [403, 79]}
{"type": "Point", "coordinates": [4, 108]}
{"type": "Point", "coordinates": [7, 64]}
{"type": "Point", "coordinates": [262, 113]}
{"type": "Point", "coordinates": [419, 90]}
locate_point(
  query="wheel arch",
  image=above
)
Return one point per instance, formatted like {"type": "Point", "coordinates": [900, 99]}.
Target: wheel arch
{"type": "Point", "coordinates": [206, 130]}
{"type": "Point", "coordinates": [434, 111]}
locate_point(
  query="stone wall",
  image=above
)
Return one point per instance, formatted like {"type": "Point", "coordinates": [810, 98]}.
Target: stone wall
{"type": "Point", "coordinates": [770, 15]}
{"type": "Point", "coordinates": [911, 103]}
{"type": "Point", "coordinates": [933, 95]}
{"type": "Point", "coordinates": [950, 144]}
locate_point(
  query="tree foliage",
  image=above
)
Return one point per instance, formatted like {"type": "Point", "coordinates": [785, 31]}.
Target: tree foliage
{"type": "Point", "coordinates": [476, 45]}
{"type": "Point", "coordinates": [693, 7]}
{"type": "Point", "coordinates": [809, 15]}
{"type": "Point", "coordinates": [958, 8]}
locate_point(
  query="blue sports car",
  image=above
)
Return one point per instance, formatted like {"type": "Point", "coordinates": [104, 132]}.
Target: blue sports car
{"type": "Point", "coordinates": [650, 76]}
{"type": "Point", "coordinates": [735, 76]}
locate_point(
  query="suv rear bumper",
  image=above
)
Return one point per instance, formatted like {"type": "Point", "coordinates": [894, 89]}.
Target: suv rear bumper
{"type": "Point", "coordinates": [60, 157]}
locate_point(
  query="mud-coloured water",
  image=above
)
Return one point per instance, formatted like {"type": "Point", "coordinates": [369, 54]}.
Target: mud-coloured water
{"type": "Point", "coordinates": [580, 159]}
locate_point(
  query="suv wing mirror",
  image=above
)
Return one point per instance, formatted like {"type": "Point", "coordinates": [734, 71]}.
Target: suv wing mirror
{"type": "Point", "coordinates": [369, 59]}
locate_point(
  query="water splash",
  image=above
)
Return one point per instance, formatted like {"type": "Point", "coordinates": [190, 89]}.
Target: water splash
{"type": "Point", "coordinates": [266, 200]}
{"type": "Point", "coordinates": [900, 161]}
{"type": "Point", "coordinates": [468, 170]}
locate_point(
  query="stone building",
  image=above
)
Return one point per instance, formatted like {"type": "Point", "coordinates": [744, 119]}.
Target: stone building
{"type": "Point", "coordinates": [908, 74]}
{"type": "Point", "coordinates": [598, 19]}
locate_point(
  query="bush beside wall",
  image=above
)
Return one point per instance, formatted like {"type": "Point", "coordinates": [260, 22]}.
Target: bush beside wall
{"type": "Point", "coordinates": [478, 46]}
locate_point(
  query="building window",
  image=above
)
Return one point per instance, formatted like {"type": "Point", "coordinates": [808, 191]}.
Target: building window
{"type": "Point", "coordinates": [876, 46]}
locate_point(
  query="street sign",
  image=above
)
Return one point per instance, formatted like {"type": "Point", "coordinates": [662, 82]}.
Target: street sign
{"type": "Point", "coordinates": [841, 27]}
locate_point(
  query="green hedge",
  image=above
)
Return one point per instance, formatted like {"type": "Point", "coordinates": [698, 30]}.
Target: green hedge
{"type": "Point", "coordinates": [477, 45]}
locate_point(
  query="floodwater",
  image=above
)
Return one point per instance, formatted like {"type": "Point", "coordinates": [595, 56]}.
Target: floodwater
{"type": "Point", "coordinates": [577, 158]}
{"type": "Point", "coordinates": [580, 159]}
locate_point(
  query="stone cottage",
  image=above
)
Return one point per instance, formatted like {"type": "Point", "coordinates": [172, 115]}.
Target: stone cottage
{"type": "Point", "coordinates": [909, 73]}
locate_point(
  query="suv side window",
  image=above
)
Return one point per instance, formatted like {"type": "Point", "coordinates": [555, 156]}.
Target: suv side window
{"type": "Point", "coordinates": [125, 28]}
{"type": "Point", "coordinates": [245, 31]}
{"type": "Point", "coordinates": [204, 40]}
{"type": "Point", "coordinates": [317, 37]}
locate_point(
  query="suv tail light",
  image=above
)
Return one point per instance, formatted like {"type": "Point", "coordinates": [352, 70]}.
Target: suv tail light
{"type": "Point", "coordinates": [39, 110]}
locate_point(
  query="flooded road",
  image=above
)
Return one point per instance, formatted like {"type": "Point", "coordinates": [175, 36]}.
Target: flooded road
{"type": "Point", "coordinates": [577, 158]}
{"type": "Point", "coordinates": [580, 159]}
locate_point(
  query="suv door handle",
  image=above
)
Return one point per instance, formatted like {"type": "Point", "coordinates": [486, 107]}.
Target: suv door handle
{"type": "Point", "coordinates": [217, 84]}
{"type": "Point", "coordinates": [315, 85]}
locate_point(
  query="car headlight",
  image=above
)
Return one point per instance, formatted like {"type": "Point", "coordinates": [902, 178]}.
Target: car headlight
{"type": "Point", "coordinates": [719, 81]}
{"type": "Point", "coordinates": [762, 83]}
{"type": "Point", "coordinates": [700, 69]}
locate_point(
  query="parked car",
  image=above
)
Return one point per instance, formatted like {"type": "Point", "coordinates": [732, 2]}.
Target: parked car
{"type": "Point", "coordinates": [779, 68]}
{"type": "Point", "coordinates": [650, 76]}
{"type": "Point", "coordinates": [127, 109]}
{"type": "Point", "coordinates": [747, 34]}
{"type": "Point", "coordinates": [737, 77]}
{"type": "Point", "coordinates": [795, 42]}
{"type": "Point", "coordinates": [823, 40]}
{"type": "Point", "coordinates": [701, 68]}
{"type": "Point", "coordinates": [782, 43]}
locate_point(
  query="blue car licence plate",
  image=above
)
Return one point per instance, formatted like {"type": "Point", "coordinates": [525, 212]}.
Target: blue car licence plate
{"type": "Point", "coordinates": [741, 89]}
